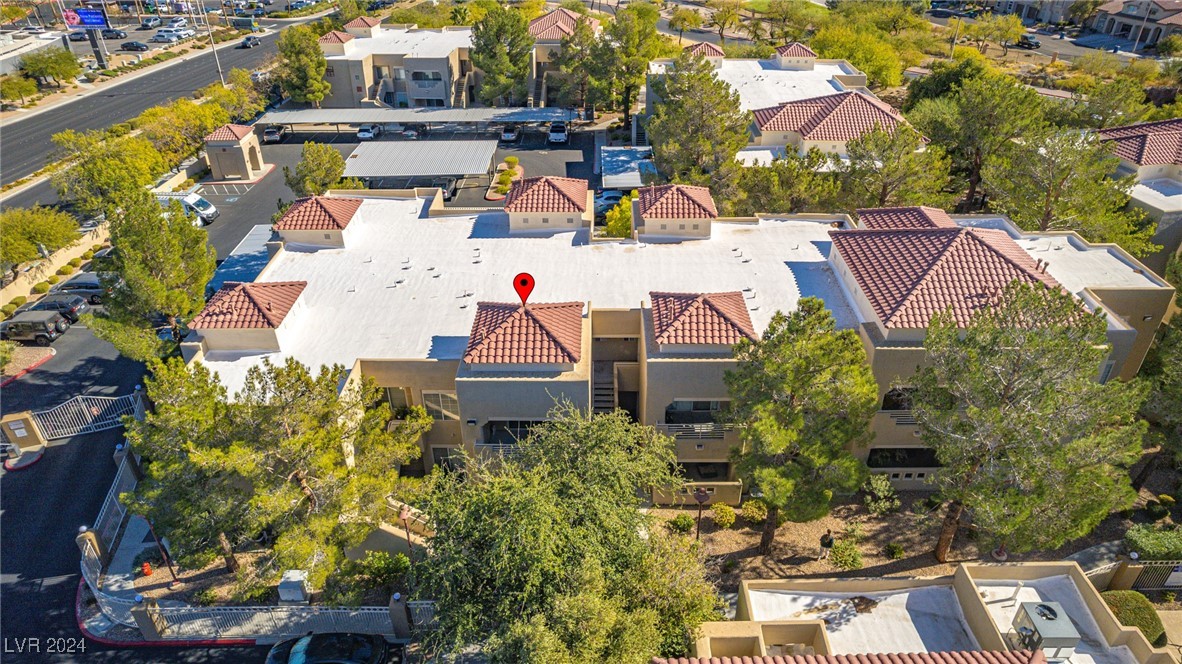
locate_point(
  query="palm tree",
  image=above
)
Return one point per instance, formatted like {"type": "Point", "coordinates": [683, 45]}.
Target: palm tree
{"type": "Point", "coordinates": [460, 15]}
{"type": "Point", "coordinates": [755, 29]}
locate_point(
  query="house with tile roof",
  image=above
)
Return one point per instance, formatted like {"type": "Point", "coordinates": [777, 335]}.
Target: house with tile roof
{"type": "Point", "coordinates": [253, 317]}
{"type": "Point", "coordinates": [673, 211]}
{"type": "Point", "coordinates": [827, 123]}
{"type": "Point", "coordinates": [317, 220]}
{"type": "Point", "coordinates": [1152, 153]}
{"type": "Point", "coordinates": [548, 31]}
{"type": "Point", "coordinates": [1143, 23]}
{"type": "Point", "coordinates": [547, 204]}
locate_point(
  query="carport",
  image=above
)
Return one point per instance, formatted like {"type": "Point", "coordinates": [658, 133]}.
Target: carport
{"type": "Point", "coordinates": [459, 119]}
{"type": "Point", "coordinates": [400, 164]}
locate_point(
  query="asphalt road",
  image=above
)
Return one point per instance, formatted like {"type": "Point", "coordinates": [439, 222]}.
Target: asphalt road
{"type": "Point", "coordinates": [1051, 44]}
{"type": "Point", "coordinates": [25, 144]}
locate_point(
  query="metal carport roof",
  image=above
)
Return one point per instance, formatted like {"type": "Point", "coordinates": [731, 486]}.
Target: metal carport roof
{"type": "Point", "coordinates": [390, 159]}
{"type": "Point", "coordinates": [413, 115]}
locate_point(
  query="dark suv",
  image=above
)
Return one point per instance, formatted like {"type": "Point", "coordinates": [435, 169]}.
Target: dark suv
{"type": "Point", "coordinates": [86, 284]}
{"type": "Point", "coordinates": [39, 327]}
{"type": "Point", "coordinates": [69, 306]}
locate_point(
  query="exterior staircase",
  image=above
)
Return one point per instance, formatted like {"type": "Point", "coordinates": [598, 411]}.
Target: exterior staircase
{"type": "Point", "coordinates": [641, 135]}
{"type": "Point", "coordinates": [603, 388]}
{"type": "Point", "coordinates": [539, 100]}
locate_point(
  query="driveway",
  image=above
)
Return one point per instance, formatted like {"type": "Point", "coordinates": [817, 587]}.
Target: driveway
{"type": "Point", "coordinates": [537, 157]}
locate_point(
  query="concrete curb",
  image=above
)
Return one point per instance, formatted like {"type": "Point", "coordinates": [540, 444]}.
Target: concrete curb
{"type": "Point", "coordinates": [34, 462]}
{"type": "Point", "coordinates": [22, 372]}
{"type": "Point", "coordinates": [190, 643]}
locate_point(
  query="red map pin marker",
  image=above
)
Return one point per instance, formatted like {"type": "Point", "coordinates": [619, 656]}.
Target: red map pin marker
{"type": "Point", "coordinates": [524, 285]}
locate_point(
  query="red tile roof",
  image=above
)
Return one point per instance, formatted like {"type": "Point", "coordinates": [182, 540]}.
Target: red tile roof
{"type": "Point", "coordinates": [676, 201]}
{"type": "Point", "coordinates": [335, 37]}
{"type": "Point", "coordinates": [505, 333]}
{"type": "Point", "coordinates": [705, 49]}
{"type": "Point", "coordinates": [364, 22]}
{"type": "Point", "coordinates": [547, 194]}
{"type": "Point", "coordinates": [558, 24]}
{"type": "Point", "coordinates": [796, 50]}
{"type": "Point", "coordinates": [241, 306]}
{"type": "Point", "coordinates": [908, 276]}
{"type": "Point", "coordinates": [1148, 143]}
{"type": "Point", "coordinates": [230, 132]}
{"type": "Point", "coordinates": [963, 657]}
{"type": "Point", "coordinates": [701, 318]}
{"type": "Point", "coordinates": [318, 213]}
{"type": "Point", "coordinates": [838, 117]}
{"type": "Point", "coordinates": [899, 218]}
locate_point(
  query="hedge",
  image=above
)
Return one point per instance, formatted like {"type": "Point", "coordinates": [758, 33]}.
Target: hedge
{"type": "Point", "coordinates": [1133, 609]}
{"type": "Point", "coordinates": [65, 269]}
{"type": "Point", "coordinates": [18, 300]}
{"type": "Point", "coordinates": [42, 287]}
{"type": "Point", "coordinates": [75, 262]}
{"type": "Point", "coordinates": [1154, 543]}
{"type": "Point", "coordinates": [7, 310]}
{"type": "Point", "coordinates": [53, 279]}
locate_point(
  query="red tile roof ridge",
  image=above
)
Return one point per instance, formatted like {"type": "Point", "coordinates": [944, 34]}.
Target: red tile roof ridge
{"type": "Point", "coordinates": [947, 657]}
{"type": "Point", "coordinates": [335, 37]}
{"type": "Point", "coordinates": [493, 321]}
{"type": "Point", "coordinates": [319, 213]}
{"type": "Point", "coordinates": [663, 197]}
{"type": "Point", "coordinates": [712, 51]}
{"type": "Point", "coordinates": [525, 195]}
{"type": "Point", "coordinates": [815, 115]}
{"type": "Point", "coordinates": [242, 305]}
{"type": "Point", "coordinates": [669, 326]}
{"type": "Point", "coordinates": [884, 217]}
{"type": "Point", "coordinates": [796, 50]}
{"type": "Point", "coordinates": [364, 22]}
{"type": "Point", "coordinates": [230, 132]}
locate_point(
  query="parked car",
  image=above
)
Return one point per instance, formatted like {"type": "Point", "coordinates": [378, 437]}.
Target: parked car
{"type": "Point", "coordinates": [164, 38]}
{"type": "Point", "coordinates": [510, 133]}
{"type": "Point", "coordinates": [178, 22]}
{"type": "Point", "coordinates": [202, 211]}
{"type": "Point", "coordinates": [414, 131]}
{"type": "Point", "coordinates": [942, 13]}
{"type": "Point", "coordinates": [38, 327]}
{"type": "Point", "coordinates": [33, 30]}
{"type": "Point", "coordinates": [134, 46]}
{"type": "Point", "coordinates": [259, 13]}
{"type": "Point", "coordinates": [448, 185]}
{"type": "Point", "coordinates": [71, 307]}
{"type": "Point", "coordinates": [274, 134]}
{"type": "Point", "coordinates": [250, 42]}
{"type": "Point", "coordinates": [86, 284]}
{"type": "Point", "coordinates": [186, 33]}
{"type": "Point", "coordinates": [78, 35]}
{"type": "Point", "coordinates": [558, 133]}
{"type": "Point", "coordinates": [111, 33]}
{"type": "Point", "coordinates": [368, 132]}
{"type": "Point", "coordinates": [1028, 42]}
{"type": "Point", "coordinates": [150, 23]}
{"type": "Point", "coordinates": [607, 200]}
{"type": "Point", "coordinates": [338, 648]}
{"type": "Point", "coordinates": [259, 75]}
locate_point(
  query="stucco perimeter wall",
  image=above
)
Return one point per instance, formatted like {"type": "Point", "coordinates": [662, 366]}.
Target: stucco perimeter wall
{"type": "Point", "coordinates": [750, 639]}
{"type": "Point", "coordinates": [1133, 306]}
{"type": "Point", "coordinates": [852, 585]}
{"type": "Point", "coordinates": [23, 284]}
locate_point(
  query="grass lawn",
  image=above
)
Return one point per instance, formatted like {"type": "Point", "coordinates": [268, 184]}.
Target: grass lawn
{"type": "Point", "coordinates": [756, 5]}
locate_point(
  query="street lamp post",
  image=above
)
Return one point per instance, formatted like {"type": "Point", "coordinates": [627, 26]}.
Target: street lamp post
{"type": "Point", "coordinates": [701, 496]}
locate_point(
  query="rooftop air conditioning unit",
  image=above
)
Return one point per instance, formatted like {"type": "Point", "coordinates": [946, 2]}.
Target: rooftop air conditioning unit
{"type": "Point", "coordinates": [1045, 626]}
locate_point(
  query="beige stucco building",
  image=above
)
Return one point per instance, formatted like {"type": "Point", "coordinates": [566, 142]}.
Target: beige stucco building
{"type": "Point", "coordinates": [233, 153]}
{"type": "Point", "coordinates": [548, 204]}
{"type": "Point", "coordinates": [1144, 22]}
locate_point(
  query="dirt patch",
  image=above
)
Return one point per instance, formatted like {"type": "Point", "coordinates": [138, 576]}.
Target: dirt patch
{"type": "Point", "coordinates": [25, 357]}
{"type": "Point", "coordinates": [212, 584]}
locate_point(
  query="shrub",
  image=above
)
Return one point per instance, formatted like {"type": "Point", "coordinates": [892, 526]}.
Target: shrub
{"type": "Point", "coordinates": [1133, 609]}
{"type": "Point", "coordinates": [18, 300]}
{"type": "Point", "coordinates": [724, 515]}
{"type": "Point", "coordinates": [1153, 543]}
{"type": "Point", "coordinates": [7, 310]}
{"type": "Point", "coordinates": [502, 189]}
{"type": "Point", "coordinates": [512, 162]}
{"type": "Point", "coordinates": [75, 262]}
{"type": "Point", "coordinates": [754, 511]}
{"type": "Point", "coordinates": [505, 178]}
{"type": "Point", "coordinates": [934, 501]}
{"type": "Point", "coordinates": [95, 249]}
{"type": "Point", "coordinates": [846, 555]}
{"type": "Point", "coordinates": [880, 496]}
{"type": "Point", "coordinates": [1156, 511]}
{"type": "Point", "coordinates": [1166, 499]}
{"type": "Point", "coordinates": [205, 597]}
{"type": "Point", "coordinates": [682, 523]}
{"type": "Point", "coordinates": [53, 279]}
{"type": "Point", "coordinates": [895, 551]}
{"type": "Point", "coordinates": [41, 288]}
{"type": "Point", "coordinates": [1169, 596]}
{"type": "Point", "coordinates": [65, 269]}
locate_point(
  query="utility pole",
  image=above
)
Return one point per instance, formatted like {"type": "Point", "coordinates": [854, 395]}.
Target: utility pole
{"type": "Point", "coordinates": [212, 45]}
{"type": "Point", "coordinates": [955, 36]}
{"type": "Point", "coordinates": [1144, 22]}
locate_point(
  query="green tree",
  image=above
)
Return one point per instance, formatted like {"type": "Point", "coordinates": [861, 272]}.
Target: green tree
{"type": "Point", "coordinates": [998, 28]}
{"type": "Point", "coordinates": [684, 19]}
{"type": "Point", "coordinates": [790, 184]}
{"type": "Point", "coordinates": [1058, 180]}
{"type": "Point", "coordinates": [1082, 10]}
{"type": "Point", "coordinates": [102, 170]}
{"type": "Point", "coordinates": [619, 218]}
{"type": "Point", "coordinates": [530, 9]}
{"type": "Point", "coordinates": [460, 15]}
{"type": "Point", "coordinates": [240, 98]}
{"type": "Point", "coordinates": [17, 87]}
{"type": "Point", "coordinates": [755, 28]}
{"type": "Point", "coordinates": [890, 169]}
{"type": "Point", "coordinates": [569, 568]}
{"type": "Point", "coordinates": [630, 41]}
{"type": "Point", "coordinates": [1170, 46]}
{"type": "Point", "coordinates": [1112, 103]}
{"type": "Point", "coordinates": [791, 20]}
{"type": "Point", "coordinates": [1029, 441]}
{"type": "Point", "coordinates": [697, 126]}
{"type": "Point", "coordinates": [864, 49]}
{"type": "Point", "coordinates": [302, 65]}
{"type": "Point", "coordinates": [946, 77]}
{"type": "Point", "coordinates": [27, 228]}
{"type": "Point", "coordinates": [502, 48]}
{"type": "Point", "coordinates": [6, 349]}
{"type": "Point", "coordinates": [320, 167]}
{"type": "Point", "coordinates": [724, 15]}
{"type": "Point", "coordinates": [11, 12]}
{"type": "Point", "coordinates": [52, 64]}
{"type": "Point", "coordinates": [576, 61]}
{"type": "Point", "coordinates": [178, 129]}
{"type": "Point", "coordinates": [805, 395]}
{"type": "Point", "coordinates": [347, 10]}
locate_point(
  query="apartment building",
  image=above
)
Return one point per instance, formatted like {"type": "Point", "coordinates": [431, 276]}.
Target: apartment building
{"type": "Point", "coordinates": [548, 32]}
{"type": "Point", "coordinates": [1015, 613]}
{"type": "Point", "coordinates": [1141, 21]}
{"type": "Point", "coordinates": [425, 307]}
{"type": "Point", "coordinates": [398, 66]}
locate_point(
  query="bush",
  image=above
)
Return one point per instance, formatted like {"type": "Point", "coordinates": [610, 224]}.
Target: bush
{"type": "Point", "coordinates": [205, 597]}
{"type": "Point", "coordinates": [382, 570]}
{"type": "Point", "coordinates": [895, 551]}
{"type": "Point", "coordinates": [41, 288]}
{"type": "Point", "coordinates": [754, 511]}
{"type": "Point", "coordinates": [1166, 499]}
{"type": "Point", "coordinates": [1153, 543]}
{"type": "Point", "coordinates": [96, 248]}
{"type": "Point", "coordinates": [18, 300]}
{"type": "Point", "coordinates": [75, 262]}
{"type": "Point", "coordinates": [845, 554]}
{"type": "Point", "coordinates": [7, 310]}
{"type": "Point", "coordinates": [724, 515]}
{"type": "Point", "coordinates": [682, 523]}
{"type": "Point", "coordinates": [53, 279]}
{"type": "Point", "coordinates": [1156, 511]}
{"type": "Point", "coordinates": [1169, 596]}
{"type": "Point", "coordinates": [505, 178]}
{"type": "Point", "coordinates": [65, 269]}
{"type": "Point", "coordinates": [880, 496]}
{"type": "Point", "coordinates": [512, 162]}
{"type": "Point", "coordinates": [1133, 609]}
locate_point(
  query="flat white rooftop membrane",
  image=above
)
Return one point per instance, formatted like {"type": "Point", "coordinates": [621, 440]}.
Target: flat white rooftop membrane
{"type": "Point", "coordinates": [762, 84]}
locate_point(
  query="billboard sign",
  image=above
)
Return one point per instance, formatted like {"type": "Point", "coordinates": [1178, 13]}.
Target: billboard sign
{"type": "Point", "coordinates": [85, 18]}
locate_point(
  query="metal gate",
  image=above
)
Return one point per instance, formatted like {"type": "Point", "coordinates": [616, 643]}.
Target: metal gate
{"type": "Point", "coordinates": [84, 414]}
{"type": "Point", "coordinates": [110, 517]}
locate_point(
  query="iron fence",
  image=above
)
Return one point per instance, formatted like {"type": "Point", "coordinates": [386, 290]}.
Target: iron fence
{"type": "Point", "coordinates": [192, 622]}
{"type": "Point", "coordinates": [85, 414]}
{"type": "Point", "coordinates": [112, 513]}
{"type": "Point", "coordinates": [1156, 574]}
{"type": "Point", "coordinates": [116, 609]}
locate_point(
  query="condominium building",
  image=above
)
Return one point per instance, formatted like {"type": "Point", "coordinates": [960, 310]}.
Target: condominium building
{"type": "Point", "coordinates": [425, 307]}
{"type": "Point", "coordinates": [548, 32]}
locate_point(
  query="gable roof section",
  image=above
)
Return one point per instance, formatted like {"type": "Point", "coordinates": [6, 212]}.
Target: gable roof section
{"type": "Point", "coordinates": [318, 213]}
{"type": "Point", "coordinates": [1148, 143]}
{"type": "Point", "coordinates": [908, 276]}
{"type": "Point", "coordinates": [547, 194]}
{"type": "Point", "coordinates": [506, 333]}
{"type": "Point", "coordinates": [230, 132]}
{"type": "Point", "coordinates": [335, 37]}
{"type": "Point", "coordinates": [795, 50]}
{"type": "Point", "coordinates": [701, 318]}
{"type": "Point", "coordinates": [249, 306]}
{"type": "Point", "coordinates": [676, 201]}
{"type": "Point", "coordinates": [705, 49]}
{"type": "Point", "coordinates": [558, 24]}
{"type": "Point", "coordinates": [899, 218]}
{"type": "Point", "coordinates": [838, 117]}
{"type": "Point", "coordinates": [963, 657]}
{"type": "Point", "coordinates": [364, 22]}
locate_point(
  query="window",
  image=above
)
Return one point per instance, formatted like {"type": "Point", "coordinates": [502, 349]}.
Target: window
{"type": "Point", "coordinates": [426, 76]}
{"type": "Point", "coordinates": [329, 72]}
{"type": "Point", "coordinates": [681, 227]}
{"type": "Point", "coordinates": [508, 432]}
{"type": "Point", "coordinates": [441, 405]}
{"type": "Point", "coordinates": [902, 457]}
{"type": "Point", "coordinates": [662, 226]}
{"type": "Point", "coordinates": [396, 396]}
{"type": "Point", "coordinates": [695, 227]}
{"type": "Point", "coordinates": [545, 220]}
{"type": "Point", "coordinates": [525, 220]}
{"type": "Point", "coordinates": [328, 236]}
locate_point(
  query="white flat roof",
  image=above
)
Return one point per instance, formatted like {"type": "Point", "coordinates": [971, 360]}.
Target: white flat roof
{"type": "Point", "coordinates": [924, 619]}
{"type": "Point", "coordinates": [424, 158]}
{"type": "Point", "coordinates": [411, 43]}
{"type": "Point", "coordinates": [356, 116]}
{"type": "Point", "coordinates": [762, 84]}
{"type": "Point", "coordinates": [1163, 194]}
{"type": "Point", "coordinates": [406, 286]}
{"type": "Point", "coordinates": [1092, 647]}
{"type": "Point", "coordinates": [625, 168]}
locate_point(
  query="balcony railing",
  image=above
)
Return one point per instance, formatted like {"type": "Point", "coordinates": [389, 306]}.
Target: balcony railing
{"type": "Point", "coordinates": [429, 88]}
{"type": "Point", "coordinates": [704, 431]}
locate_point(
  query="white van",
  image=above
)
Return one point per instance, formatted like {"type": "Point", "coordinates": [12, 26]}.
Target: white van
{"type": "Point", "coordinates": [202, 211]}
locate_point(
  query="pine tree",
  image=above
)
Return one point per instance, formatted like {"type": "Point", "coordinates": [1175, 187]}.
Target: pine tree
{"type": "Point", "coordinates": [302, 65]}
{"type": "Point", "coordinates": [501, 48]}
{"type": "Point", "coordinates": [890, 168]}
{"type": "Point", "coordinates": [576, 63]}
{"type": "Point", "coordinates": [321, 166]}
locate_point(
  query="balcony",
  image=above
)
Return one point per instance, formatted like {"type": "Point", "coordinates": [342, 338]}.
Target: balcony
{"type": "Point", "coordinates": [427, 89]}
